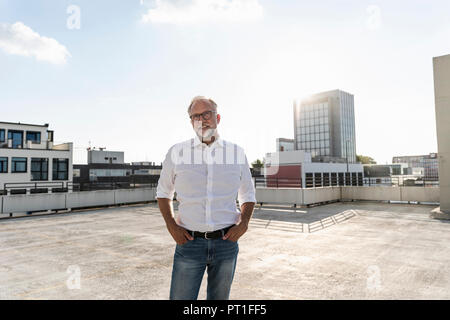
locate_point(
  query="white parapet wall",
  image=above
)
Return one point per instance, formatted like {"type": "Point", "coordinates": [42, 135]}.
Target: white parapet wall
{"type": "Point", "coordinates": [298, 196]}
{"type": "Point", "coordinates": [279, 195]}
{"type": "Point", "coordinates": [33, 202]}
{"type": "Point", "coordinates": [420, 194]}
{"type": "Point", "coordinates": [384, 193]}
{"type": "Point", "coordinates": [309, 196]}
{"type": "Point", "coordinates": [72, 200]}
{"type": "Point", "coordinates": [134, 195]}
{"type": "Point", "coordinates": [378, 193]}
{"type": "Point", "coordinates": [90, 198]}
{"type": "Point", "coordinates": [323, 194]}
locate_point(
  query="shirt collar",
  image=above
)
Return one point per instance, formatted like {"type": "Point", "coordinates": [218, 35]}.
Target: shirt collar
{"type": "Point", "coordinates": [217, 142]}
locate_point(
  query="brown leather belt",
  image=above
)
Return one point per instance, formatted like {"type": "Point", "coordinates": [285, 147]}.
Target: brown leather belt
{"type": "Point", "coordinates": [210, 234]}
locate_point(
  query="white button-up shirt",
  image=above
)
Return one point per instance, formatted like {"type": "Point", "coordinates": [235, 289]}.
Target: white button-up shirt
{"type": "Point", "coordinates": [207, 180]}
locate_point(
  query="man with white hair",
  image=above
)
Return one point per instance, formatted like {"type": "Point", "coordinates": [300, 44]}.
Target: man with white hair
{"type": "Point", "coordinates": [208, 174]}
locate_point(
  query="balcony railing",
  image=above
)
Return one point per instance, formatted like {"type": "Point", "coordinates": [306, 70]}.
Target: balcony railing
{"type": "Point", "coordinates": [35, 145]}
{"type": "Point", "coordinates": [318, 180]}
{"type": "Point", "coordinates": [12, 188]}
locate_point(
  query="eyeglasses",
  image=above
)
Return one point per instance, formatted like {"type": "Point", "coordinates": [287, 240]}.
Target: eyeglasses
{"type": "Point", "coordinates": [205, 115]}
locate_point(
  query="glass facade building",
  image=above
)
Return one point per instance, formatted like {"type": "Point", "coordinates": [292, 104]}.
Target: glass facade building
{"type": "Point", "coordinates": [429, 163]}
{"type": "Point", "coordinates": [324, 125]}
{"type": "Point", "coordinates": [314, 129]}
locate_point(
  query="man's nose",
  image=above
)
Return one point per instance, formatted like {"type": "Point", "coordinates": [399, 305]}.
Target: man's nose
{"type": "Point", "coordinates": [198, 123]}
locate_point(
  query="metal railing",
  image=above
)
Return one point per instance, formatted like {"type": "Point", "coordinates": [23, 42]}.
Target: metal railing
{"type": "Point", "coordinates": [36, 187]}
{"type": "Point", "coordinates": [67, 186]}
{"type": "Point", "coordinates": [113, 185]}
{"type": "Point", "coordinates": [402, 181]}
{"type": "Point", "coordinates": [312, 181]}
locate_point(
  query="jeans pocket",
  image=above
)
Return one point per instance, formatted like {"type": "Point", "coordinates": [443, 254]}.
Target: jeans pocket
{"type": "Point", "coordinates": [184, 244]}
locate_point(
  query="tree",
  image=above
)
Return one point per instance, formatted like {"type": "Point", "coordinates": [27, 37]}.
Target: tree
{"type": "Point", "coordinates": [365, 159]}
{"type": "Point", "coordinates": [257, 164]}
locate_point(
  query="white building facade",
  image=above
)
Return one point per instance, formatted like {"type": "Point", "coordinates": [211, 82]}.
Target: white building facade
{"type": "Point", "coordinates": [295, 169]}
{"type": "Point", "coordinates": [30, 160]}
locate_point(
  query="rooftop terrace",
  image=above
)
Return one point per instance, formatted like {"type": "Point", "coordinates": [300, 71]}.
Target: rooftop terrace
{"type": "Point", "coordinates": [379, 251]}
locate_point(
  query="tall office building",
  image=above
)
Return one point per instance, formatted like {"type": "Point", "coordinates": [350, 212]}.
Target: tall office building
{"type": "Point", "coordinates": [324, 124]}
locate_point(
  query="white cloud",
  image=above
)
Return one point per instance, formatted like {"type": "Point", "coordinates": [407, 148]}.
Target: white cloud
{"type": "Point", "coordinates": [198, 11]}
{"type": "Point", "coordinates": [21, 40]}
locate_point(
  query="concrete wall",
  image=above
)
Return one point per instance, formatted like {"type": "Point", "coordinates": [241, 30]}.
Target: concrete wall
{"type": "Point", "coordinates": [33, 202]}
{"type": "Point", "coordinates": [441, 66]}
{"type": "Point", "coordinates": [317, 195]}
{"type": "Point", "coordinates": [420, 194]}
{"type": "Point", "coordinates": [380, 193]}
{"type": "Point", "coordinates": [73, 200]}
{"type": "Point", "coordinates": [280, 195]}
{"type": "Point", "coordinates": [371, 193]}
{"type": "Point", "coordinates": [55, 201]}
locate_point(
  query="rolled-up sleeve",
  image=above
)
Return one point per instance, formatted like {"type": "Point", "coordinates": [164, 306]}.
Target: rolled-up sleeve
{"type": "Point", "coordinates": [166, 182]}
{"type": "Point", "coordinates": [246, 191]}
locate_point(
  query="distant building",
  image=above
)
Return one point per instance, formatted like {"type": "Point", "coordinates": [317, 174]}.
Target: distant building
{"type": "Point", "coordinates": [284, 144]}
{"type": "Point", "coordinates": [428, 164]}
{"type": "Point", "coordinates": [109, 167]}
{"type": "Point", "coordinates": [28, 157]}
{"type": "Point", "coordinates": [296, 169]}
{"type": "Point", "coordinates": [385, 170]}
{"type": "Point", "coordinates": [324, 125]}
{"type": "Point", "coordinates": [102, 156]}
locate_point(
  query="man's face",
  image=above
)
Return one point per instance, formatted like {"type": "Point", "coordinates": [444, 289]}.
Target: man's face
{"type": "Point", "coordinates": [205, 126]}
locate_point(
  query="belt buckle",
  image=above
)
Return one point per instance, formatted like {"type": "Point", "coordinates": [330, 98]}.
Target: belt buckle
{"type": "Point", "coordinates": [206, 236]}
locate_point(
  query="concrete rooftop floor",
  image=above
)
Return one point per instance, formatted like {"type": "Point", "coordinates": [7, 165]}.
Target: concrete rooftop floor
{"type": "Point", "coordinates": [382, 251]}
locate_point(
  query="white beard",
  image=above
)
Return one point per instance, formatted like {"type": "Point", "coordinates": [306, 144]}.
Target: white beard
{"type": "Point", "coordinates": [207, 135]}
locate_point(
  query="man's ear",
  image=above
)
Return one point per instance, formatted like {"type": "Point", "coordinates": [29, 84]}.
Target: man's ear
{"type": "Point", "coordinates": [218, 118]}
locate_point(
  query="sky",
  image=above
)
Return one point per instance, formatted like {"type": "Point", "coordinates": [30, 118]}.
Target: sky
{"type": "Point", "coordinates": [121, 74]}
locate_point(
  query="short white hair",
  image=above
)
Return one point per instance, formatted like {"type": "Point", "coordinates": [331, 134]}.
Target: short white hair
{"type": "Point", "coordinates": [202, 98]}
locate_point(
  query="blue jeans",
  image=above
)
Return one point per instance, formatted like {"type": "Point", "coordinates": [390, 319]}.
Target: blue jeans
{"type": "Point", "coordinates": [190, 261]}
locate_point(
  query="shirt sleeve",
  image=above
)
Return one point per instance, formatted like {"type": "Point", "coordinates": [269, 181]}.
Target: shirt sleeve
{"type": "Point", "coordinates": [166, 182]}
{"type": "Point", "coordinates": [246, 191]}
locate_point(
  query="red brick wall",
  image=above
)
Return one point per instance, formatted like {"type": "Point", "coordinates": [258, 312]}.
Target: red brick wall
{"type": "Point", "coordinates": [286, 177]}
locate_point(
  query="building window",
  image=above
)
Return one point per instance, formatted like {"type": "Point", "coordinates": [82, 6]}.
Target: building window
{"type": "Point", "coordinates": [2, 135]}
{"type": "Point", "coordinates": [76, 173]}
{"type": "Point", "coordinates": [34, 136]}
{"type": "Point", "coordinates": [60, 169]}
{"type": "Point", "coordinates": [16, 137]}
{"type": "Point", "coordinates": [39, 169]}
{"type": "Point", "coordinates": [3, 165]}
{"type": "Point", "coordinates": [341, 178]}
{"type": "Point", "coordinates": [317, 179]}
{"type": "Point", "coordinates": [333, 179]}
{"type": "Point", "coordinates": [18, 165]}
{"type": "Point", "coordinates": [347, 178]}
